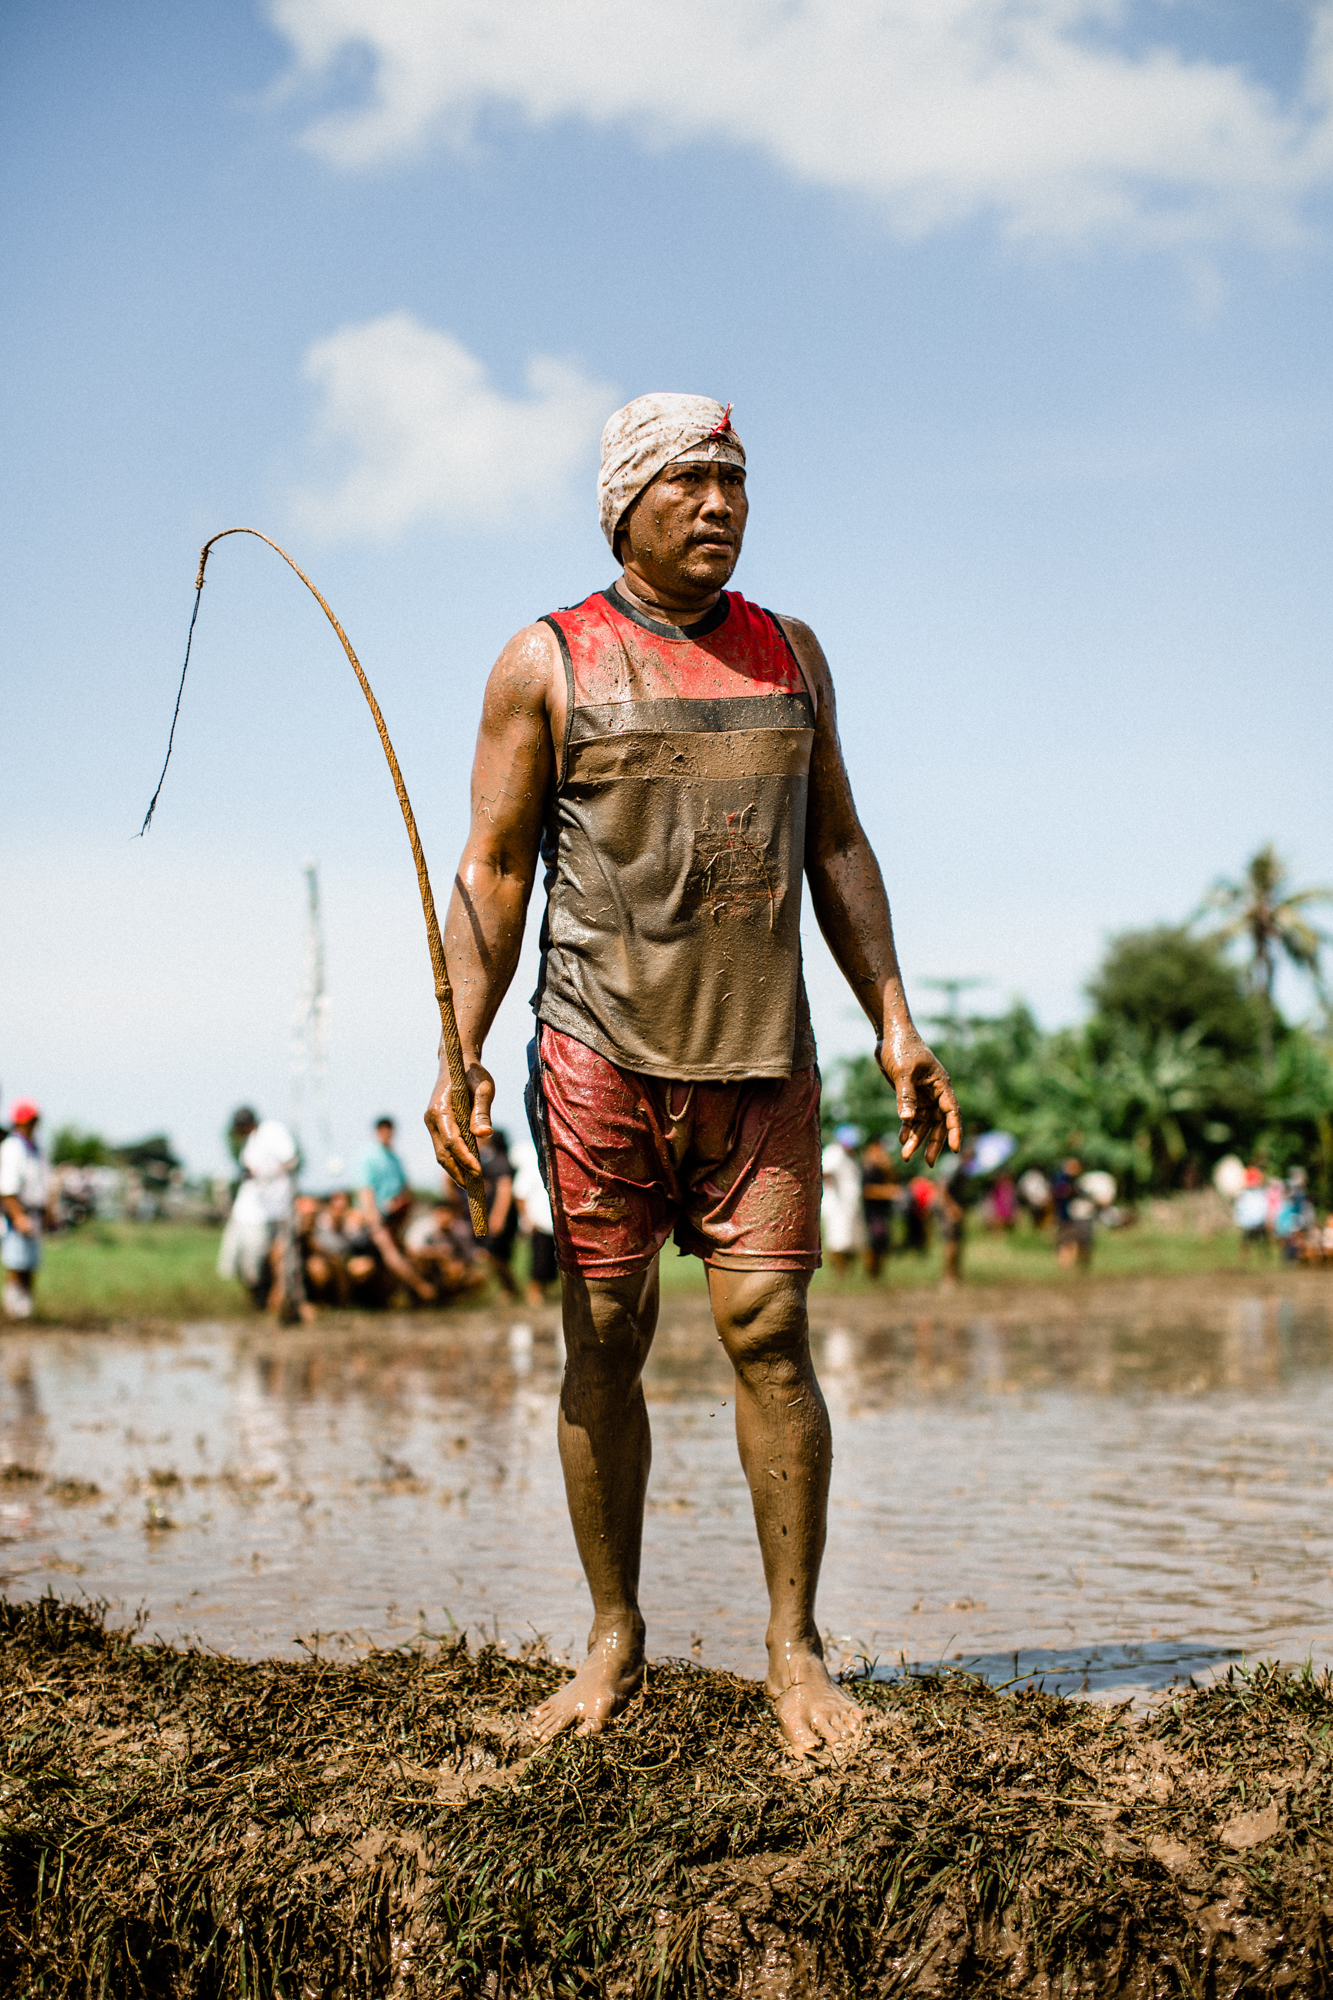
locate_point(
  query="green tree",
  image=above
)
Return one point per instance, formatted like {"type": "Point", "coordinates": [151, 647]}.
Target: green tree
{"type": "Point", "coordinates": [74, 1148]}
{"type": "Point", "coordinates": [1265, 912]}
{"type": "Point", "coordinates": [1166, 981]}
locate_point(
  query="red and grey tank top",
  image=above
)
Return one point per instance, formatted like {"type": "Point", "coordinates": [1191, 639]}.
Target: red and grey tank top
{"type": "Point", "coordinates": [675, 843]}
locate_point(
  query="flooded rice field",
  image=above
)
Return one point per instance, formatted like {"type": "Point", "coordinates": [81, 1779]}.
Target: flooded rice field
{"type": "Point", "coordinates": [1110, 1487]}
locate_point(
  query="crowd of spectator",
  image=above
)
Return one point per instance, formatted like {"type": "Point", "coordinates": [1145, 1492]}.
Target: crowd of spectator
{"type": "Point", "coordinates": [874, 1208]}
{"type": "Point", "coordinates": [377, 1242]}
{"type": "Point", "coordinates": [1274, 1212]}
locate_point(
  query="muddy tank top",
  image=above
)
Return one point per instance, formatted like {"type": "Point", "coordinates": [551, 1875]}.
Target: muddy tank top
{"type": "Point", "coordinates": [675, 843]}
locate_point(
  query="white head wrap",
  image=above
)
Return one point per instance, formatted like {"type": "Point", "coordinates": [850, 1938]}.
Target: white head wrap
{"type": "Point", "coordinates": [654, 431]}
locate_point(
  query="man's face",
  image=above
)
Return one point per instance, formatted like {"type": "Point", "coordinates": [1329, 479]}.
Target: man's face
{"type": "Point", "coordinates": [384, 1132]}
{"type": "Point", "coordinates": [686, 527]}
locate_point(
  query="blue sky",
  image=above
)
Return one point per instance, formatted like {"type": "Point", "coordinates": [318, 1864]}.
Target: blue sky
{"type": "Point", "coordinates": [1024, 309]}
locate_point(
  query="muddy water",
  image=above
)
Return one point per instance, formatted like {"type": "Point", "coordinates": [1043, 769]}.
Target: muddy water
{"type": "Point", "coordinates": [1110, 1489]}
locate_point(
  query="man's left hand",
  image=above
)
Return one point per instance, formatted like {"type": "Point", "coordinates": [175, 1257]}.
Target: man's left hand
{"type": "Point", "coordinates": [926, 1103]}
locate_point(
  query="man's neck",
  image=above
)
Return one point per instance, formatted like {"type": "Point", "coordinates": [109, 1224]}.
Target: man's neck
{"type": "Point", "coordinates": [670, 608]}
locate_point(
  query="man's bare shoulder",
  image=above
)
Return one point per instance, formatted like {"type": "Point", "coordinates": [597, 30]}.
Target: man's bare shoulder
{"type": "Point", "coordinates": [521, 680]}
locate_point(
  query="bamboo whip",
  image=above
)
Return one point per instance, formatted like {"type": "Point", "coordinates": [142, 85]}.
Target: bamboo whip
{"type": "Point", "coordinates": [460, 1093]}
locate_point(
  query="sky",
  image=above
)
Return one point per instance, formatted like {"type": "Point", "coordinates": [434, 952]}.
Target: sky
{"type": "Point", "coordinates": [1024, 309]}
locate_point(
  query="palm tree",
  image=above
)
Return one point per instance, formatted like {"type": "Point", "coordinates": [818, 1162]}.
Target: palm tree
{"type": "Point", "coordinates": [1268, 913]}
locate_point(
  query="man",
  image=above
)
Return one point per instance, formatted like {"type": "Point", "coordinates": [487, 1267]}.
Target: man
{"type": "Point", "coordinates": [880, 1196]}
{"type": "Point", "coordinates": [673, 751]}
{"type": "Point", "coordinates": [497, 1173]}
{"type": "Point", "coordinates": [386, 1203]}
{"type": "Point", "coordinates": [25, 1197]}
{"type": "Point", "coordinates": [257, 1241]}
{"type": "Point", "coordinates": [1074, 1217]}
{"type": "Point", "coordinates": [842, 1225]}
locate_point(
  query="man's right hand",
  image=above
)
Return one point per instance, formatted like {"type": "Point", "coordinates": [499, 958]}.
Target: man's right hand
{"type": "Point", "coordinates": [451, 1148]}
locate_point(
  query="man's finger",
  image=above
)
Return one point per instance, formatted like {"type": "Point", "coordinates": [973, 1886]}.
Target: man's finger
{"type": "Point", "coordinates": [483, 1096]}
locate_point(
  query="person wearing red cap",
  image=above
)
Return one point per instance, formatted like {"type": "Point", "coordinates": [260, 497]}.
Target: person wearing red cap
{"type": "Point", "coordinates": [25, 1194]}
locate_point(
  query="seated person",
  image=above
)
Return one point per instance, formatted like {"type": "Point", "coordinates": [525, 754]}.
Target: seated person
{"type": "Point", "coordinates": [386, 1204]}
{"type": "Point", "coordinates": [341, 1257]}
{"type": "Point", "coordinates": [438, 1249]}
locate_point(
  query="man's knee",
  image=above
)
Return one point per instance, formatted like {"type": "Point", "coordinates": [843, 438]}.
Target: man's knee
{"type": "Point", "coordinates": [761, 1317]}
{"type": "Point", "coordinates": [609, 1325]}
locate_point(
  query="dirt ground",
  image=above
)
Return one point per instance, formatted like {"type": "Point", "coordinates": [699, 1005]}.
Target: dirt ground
{"type": "Point", "coordinates": [178, 1823]}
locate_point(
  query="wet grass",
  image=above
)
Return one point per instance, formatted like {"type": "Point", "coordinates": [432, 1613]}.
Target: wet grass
{"type": "Point", "coordinates": [107, 1272]}
{"type": "Point", "coordinates": [179, 1824]}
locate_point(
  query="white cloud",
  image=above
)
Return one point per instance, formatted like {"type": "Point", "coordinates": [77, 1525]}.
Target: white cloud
{"type": "Point", "coordinates": [418, 433]}
{"type": "Point", "coordinates": [937, 110]}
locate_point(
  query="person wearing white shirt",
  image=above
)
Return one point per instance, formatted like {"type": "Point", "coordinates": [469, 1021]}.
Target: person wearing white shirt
{"type": "Point", "coordinates": [262, 1210]}
{"type": "Point", "coordinates": [25, 1195]}
{"type": "Point", "coordinates": [842, 1221]}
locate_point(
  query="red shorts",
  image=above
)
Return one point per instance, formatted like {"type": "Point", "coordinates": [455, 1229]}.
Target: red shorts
{"type": "Point", "coordinates": [732, 1168]}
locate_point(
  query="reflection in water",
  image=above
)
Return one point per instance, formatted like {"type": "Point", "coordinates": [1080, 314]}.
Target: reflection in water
{"type": "Point", "coordinates": [1106, 1486]}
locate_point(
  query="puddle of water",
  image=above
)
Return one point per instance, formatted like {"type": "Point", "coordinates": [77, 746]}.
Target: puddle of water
{"type": "Point", "coordinates": [1110, 1672]}
{"type": "Point", "coordinates": [1104, 1499]}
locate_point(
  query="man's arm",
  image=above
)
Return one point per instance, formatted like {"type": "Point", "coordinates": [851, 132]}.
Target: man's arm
{"type": "Point", "coordinates": [847, 890]}
{"type": "Point", "coordinates": [511, 775]}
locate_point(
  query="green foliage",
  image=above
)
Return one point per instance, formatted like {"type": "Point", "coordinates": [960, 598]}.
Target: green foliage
{"type": "Point", "coordinates": [1167, 981]}
{"type": "Point", "coordinates": [1168, 1074]}
{"type": "Point", "coordinates": [72, 1147]}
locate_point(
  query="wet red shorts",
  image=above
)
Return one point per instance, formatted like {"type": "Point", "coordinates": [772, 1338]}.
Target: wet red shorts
{"type": "Point", "coordinates": [732, 1168]}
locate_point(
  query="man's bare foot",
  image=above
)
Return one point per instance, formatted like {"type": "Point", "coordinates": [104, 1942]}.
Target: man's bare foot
{"type": "Point", "coordinates": [611, 1674]}
{"type": "Point", "coordinates": [813, 1712]}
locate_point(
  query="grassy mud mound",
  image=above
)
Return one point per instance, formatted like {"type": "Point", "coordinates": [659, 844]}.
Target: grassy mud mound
{"type": "Point", "coordinates": [176, 1823]}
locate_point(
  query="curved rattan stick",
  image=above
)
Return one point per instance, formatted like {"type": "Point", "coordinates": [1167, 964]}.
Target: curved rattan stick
{"type": "Point", "coordinates": [461, 1095]}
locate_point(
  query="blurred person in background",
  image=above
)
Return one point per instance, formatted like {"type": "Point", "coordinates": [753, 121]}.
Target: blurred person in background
{"type": "Point", "coordinates": [385, 1201]}
{"type": "Point", "coordinates": [955, 1191]}
{"type": "Point", "coordinates": [536, 1222]}
{"type": "Point", "coordinates": [921, 1206]}
{"type": "Point", "coordinates": [840, 1217]}
{"type": "Point", "coordinates": [342, 1244]}
{"type": "Point", "coordinates": [879, 1197]}
{"type": "Point", "coordinates": [25, 1200]}
{"type": "Point", "coordinates": [1296, 1214]}
{"type": "Point", "coordinates": [1074, 1216]}
{"type": "Point", "coordinates": [497, 1171]}
{"type": "Point", "coordinates": [261, 1214]}
{"type": "Point", "coordinates": [1250, 1212]}
{"type": "Point", "coordinates": [1034, 1191]}
{"type": "Point", "coordinates": [1002, 1202]}
{"type": "Point", "coordinates": [444, 1253]}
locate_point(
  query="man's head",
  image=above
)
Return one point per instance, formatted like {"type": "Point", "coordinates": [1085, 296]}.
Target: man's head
{"type": "Point", "coordinates": [244, 1122]}
{"type": "Point", "coordinates": [23, 1116]}
{"type": "Point", "coordinates": [384, 1131]}
{"type": "Point", "coordinates": [671, 492]}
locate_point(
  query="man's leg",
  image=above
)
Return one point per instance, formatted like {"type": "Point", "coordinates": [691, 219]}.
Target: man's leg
{"type": "Point", "coordinates": [782, 1429]}
{"type": "Point", "coordinates": [605, 1453]}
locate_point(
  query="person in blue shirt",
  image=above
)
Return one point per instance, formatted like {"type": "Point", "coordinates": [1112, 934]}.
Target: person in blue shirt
{"type": "Point", "coordinates": [386, 1202]}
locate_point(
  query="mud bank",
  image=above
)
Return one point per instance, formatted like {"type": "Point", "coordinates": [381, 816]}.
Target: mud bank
{"type": "Point", "coordinates": [179, 1823]}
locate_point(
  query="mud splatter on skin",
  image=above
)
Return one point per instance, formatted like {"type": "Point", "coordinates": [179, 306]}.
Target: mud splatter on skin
{"type": "Point", "coordinates": [178, 1823]}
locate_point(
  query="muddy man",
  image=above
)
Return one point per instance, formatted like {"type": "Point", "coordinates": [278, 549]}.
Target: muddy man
{"type": "Point", "coordinates": [671, 752]}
